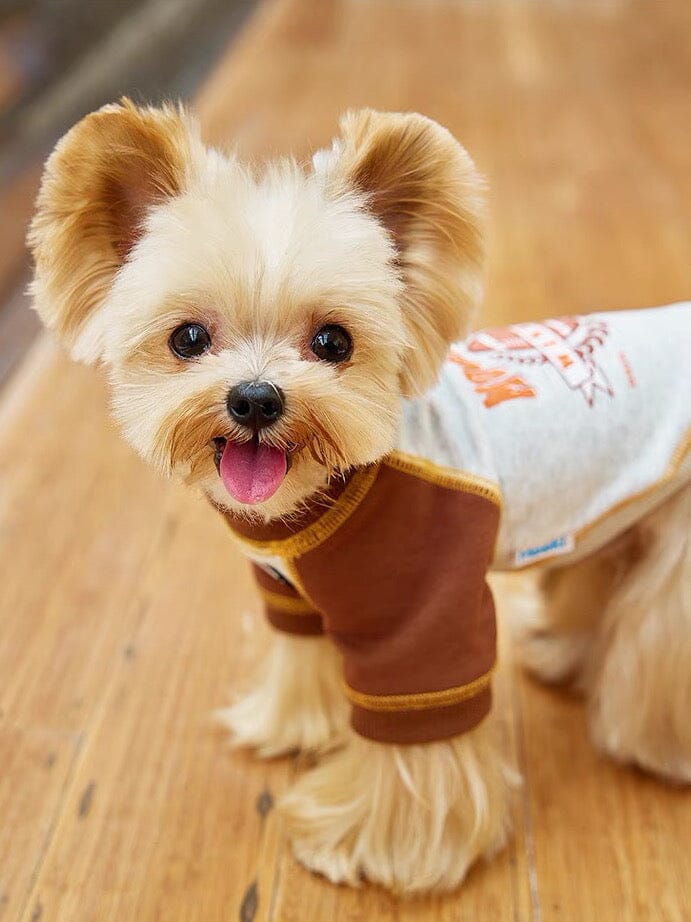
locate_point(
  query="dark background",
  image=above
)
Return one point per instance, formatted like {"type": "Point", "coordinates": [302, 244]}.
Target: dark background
{"type": "Point", "coordinates": [59, 59]}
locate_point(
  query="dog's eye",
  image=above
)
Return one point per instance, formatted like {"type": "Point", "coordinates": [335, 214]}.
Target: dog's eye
{"type": "Point", "coordinates": [189, 341]}
{"type": "Point", "coordinates": [332, 344]}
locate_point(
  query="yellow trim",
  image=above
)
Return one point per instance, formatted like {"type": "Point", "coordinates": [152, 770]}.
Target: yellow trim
{"type": "Point", "coordinates": [675, 462]}
{"type": "Point", "coordinates": [678, 456]}
{"type": "Point", "coordinates": [420, 701]}
{"type": "Point", "coordinates": [444, 476]}
{"type": "Point", "coordinates": [287, 604]}
{"type": "Point", "coordinates": [315, 534]}
{"type": "Point", "coordinates": [357, 489]}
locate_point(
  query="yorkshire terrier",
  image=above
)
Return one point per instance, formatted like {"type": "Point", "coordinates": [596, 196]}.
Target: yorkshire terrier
{"type": "Point", "coordinates": [289, 340]}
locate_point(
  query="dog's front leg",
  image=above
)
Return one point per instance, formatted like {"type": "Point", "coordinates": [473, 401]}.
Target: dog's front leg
{"type": "Point", "coordinates": [412, 818]}
{"type": "Point", "coordinates": [297, 703]}
{"type": "Point", "coordinates": [419, 791]}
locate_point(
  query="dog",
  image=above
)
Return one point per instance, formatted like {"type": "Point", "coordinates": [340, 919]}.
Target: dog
{"type": "Point", "coordinates": [292, 341]}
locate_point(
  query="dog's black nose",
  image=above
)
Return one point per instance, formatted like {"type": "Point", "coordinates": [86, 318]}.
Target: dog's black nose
{"type": "Point", "coordinates": [255, 404]}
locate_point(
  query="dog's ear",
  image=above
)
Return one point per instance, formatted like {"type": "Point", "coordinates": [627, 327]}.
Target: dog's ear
{"type": "Point", "coordinates": [422, 185]}
{"type": "Point", "coordinates": [98, 186]}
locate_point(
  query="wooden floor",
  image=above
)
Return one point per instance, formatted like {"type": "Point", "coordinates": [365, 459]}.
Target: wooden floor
{"type": "Point", "coordinates": [126, 616]}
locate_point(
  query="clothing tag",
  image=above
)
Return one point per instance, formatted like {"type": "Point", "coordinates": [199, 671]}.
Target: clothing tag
{"type": "Point", "coordinates": [557, 546]}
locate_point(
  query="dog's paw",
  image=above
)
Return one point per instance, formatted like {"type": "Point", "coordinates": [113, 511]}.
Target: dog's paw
{"type": "Point", "coordinates": [551, 653]}
{"type": "Point", "coordinates": [298, 706]}
{"type": "Point", "coordinates": [410, 818]}
{"type": "Point", "coordinates": [649, 747]}
{"type": "Point", "coordinates": [554, 657]}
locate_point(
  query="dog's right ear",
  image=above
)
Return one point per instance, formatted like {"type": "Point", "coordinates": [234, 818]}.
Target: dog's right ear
{"type": "Point", "coordinates": [98, 186]}
{"type": "Point", "coordinates": [422, 187]}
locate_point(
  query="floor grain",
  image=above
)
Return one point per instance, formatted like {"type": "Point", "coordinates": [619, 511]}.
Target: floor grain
{"type": "Point", "coordinates": [126, 616]}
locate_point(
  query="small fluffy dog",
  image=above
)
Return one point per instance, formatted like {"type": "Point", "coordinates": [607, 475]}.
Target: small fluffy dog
{"type": "Point", "coordinates": [289, 342]}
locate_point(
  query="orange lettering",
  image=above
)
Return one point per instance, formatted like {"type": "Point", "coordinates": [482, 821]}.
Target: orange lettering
{"type": "Point", "coordinates": [495, 384]}
{"type": "Point", "coordinates": [507, 389]}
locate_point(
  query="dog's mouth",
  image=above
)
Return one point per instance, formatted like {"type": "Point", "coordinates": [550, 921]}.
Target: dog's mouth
{"type": "Point", "coordinates": [251, 471]}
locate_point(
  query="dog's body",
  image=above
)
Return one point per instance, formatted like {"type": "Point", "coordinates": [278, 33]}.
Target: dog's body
{"type": "Point", "coordinates": [583, 422]}
{"type": "Point", "coordinates": [473, 484]}
{"type": "Point", "coordinates": [275, 341]}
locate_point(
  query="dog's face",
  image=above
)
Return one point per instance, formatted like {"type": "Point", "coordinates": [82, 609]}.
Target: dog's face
{"type": "Point", "coordinates": [258, 328]}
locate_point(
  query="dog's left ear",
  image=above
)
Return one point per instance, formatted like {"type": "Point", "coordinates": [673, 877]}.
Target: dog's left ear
{"type": "Point", "coordinates": [423, 187]}
{"type": "Point", "coordinates": [98, 188]}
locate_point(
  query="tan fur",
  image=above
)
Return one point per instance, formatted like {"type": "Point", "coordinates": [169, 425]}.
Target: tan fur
{"type": "Point", "coordinates": [139, 229]}
{"type": "Point", "coordinates": [423, 186]}
{"type": "Point", "coordinates": [639, 675]}
{"type": "Point", "coordinates": [183, 436]}
{"type": "Point", "coordinates": [618, 625]}
{"type": "Point", "coordinates": [411, 818]}
{"type": "Point", "coordinates": [97, 187]}
{"type": "Point", "coordinates": [298, 703]}
{"type": "Point", "coordinates": [555, 637]}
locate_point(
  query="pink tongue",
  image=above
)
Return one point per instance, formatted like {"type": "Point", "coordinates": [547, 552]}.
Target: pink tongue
{"type": "Point", "coordinates": [252, 472]}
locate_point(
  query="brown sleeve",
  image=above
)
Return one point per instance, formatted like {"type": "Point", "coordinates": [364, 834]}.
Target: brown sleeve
{"type": "Point", "coordinates": [402, 588]}
{"type": "Point", "coordinates": [285, 609]}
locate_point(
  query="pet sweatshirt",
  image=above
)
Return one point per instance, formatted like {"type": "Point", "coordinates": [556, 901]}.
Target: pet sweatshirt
{"type": "Point", "coordinates": [540, 442]}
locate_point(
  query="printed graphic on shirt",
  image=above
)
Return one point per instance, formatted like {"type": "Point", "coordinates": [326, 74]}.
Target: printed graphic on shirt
{"type": "Point", "coordinates": [495, 384]}
{"type": "Point", "coordinates": [567, 345]}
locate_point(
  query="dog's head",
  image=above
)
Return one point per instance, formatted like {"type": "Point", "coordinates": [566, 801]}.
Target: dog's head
{"type": "Point", "coordinates": [258, 324]}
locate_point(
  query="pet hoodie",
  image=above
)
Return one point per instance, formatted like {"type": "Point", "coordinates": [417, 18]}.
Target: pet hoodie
{"type": "Point", "coordinates": [539, 442]}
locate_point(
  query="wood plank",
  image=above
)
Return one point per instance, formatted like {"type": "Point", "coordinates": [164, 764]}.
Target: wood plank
{"type": "Point", "coordinates": [610, 842]}
{"type": "Point", "coordinates": [102, 681]}
{"type": "Point", "coordinates": [126, 616]}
